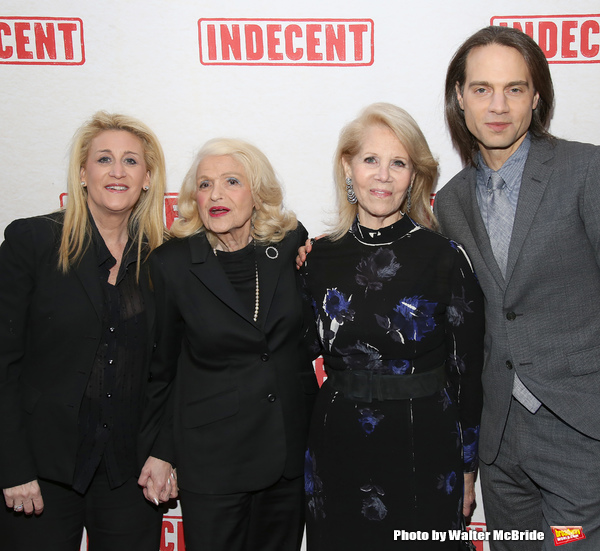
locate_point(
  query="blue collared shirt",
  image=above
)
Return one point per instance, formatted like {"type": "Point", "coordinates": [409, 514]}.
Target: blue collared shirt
{"type": "Point", "coordinates": [512, 174]}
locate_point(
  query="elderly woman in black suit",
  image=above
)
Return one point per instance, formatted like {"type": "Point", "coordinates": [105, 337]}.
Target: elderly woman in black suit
{"type": "Point", "coordinates": [75, 315]}
{"type": "Point", "coordinates": [229, 360]}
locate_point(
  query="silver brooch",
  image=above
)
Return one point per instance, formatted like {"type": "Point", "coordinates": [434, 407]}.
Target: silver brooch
{"type": "Point", "coordinates": [271, 252]}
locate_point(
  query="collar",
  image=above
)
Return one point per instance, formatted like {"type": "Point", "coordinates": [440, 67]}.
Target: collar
{"type": "Point", "coordinates": [511, 171]}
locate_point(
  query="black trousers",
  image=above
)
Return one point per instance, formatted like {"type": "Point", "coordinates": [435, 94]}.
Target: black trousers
{"type": "Point", "coordinates": [115, 520]}
{"type": "Point", "coordinates": [267, 520]}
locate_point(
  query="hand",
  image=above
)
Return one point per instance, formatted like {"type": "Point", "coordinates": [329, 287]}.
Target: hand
{"type": "Point", "coordinates": [469, 495]}
{"type": "Point", "coordinates": [159, 480]}
{"type": "Point", "coordinates": [305, 249]}
{"type": "Point", "coordinates": [303, 253]}
{"type": "Point", "coordinates": [26, 498]}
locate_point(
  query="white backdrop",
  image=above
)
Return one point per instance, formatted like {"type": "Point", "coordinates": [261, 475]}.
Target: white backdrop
{"type": "Point", "coordinates": [143, 58]}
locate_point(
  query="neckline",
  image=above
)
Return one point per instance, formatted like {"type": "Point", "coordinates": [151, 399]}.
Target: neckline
{"type": "Point", "coordinates": [382, 236]}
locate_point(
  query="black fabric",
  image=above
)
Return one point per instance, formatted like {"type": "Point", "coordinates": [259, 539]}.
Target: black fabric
{"type": "Point", "coordinates": [110, 409]}
{"type": "Point", "coordinates": [394, 303]}
{"type": "Point", "coordinates": [116, 519]}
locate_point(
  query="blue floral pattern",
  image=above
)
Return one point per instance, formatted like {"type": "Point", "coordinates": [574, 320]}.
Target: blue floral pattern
{"type": "Point", "coordinates": [373, 507]}
{"type": "Point", "coordinates": [313, 487]}
{"type": "Point", "coordinates": [369, 419]}
{"type": "Point", "coordinates": [373, 271]}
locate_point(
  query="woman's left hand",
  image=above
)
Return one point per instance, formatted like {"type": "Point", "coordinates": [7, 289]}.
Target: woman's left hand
{"type": "Point", "coordinates": [159, 480]}
{"type": "Point", "coordinates": [469, 495]}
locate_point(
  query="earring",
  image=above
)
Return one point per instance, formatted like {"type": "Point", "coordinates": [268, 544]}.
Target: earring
{"type": "Point", "coordinates": [408, 202]}
{"type": "Point", "coordinates": [83, 184]}
{"type": "Point", "coordinates": [351, 196]}
{"type": "Point", "coordinates": [146, 188]}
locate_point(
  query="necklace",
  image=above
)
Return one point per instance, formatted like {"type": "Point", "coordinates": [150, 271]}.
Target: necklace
{"type": "Point", "coordinates": [257, 291]}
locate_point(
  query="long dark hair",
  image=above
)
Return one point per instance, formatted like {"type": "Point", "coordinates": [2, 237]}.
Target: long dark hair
{"type": "Point", "coordinates": [537, 64]}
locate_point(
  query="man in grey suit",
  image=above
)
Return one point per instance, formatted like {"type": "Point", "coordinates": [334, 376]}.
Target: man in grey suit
{"type": "Point", "coordinates": [527, 210]}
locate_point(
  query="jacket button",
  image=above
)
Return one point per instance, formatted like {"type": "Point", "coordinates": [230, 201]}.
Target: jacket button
{"type": "Point", "coordinates": [264, 356]}
{"type": "Point", "coordinates": [508, 364]}
{"type": "Point", "coordinates": [271, 397]}
{"type": "Point", "coordinates": [511, 316]}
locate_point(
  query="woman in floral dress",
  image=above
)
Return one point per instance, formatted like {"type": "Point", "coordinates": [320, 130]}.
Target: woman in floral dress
{"type": "Point", "coordinates": [399, 316]}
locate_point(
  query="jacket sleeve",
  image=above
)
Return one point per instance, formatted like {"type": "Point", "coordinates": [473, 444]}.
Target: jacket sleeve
{"type": "Point", "coordinates": [156, 434]}
{"type": "Point", "coordinates": [17, 285]}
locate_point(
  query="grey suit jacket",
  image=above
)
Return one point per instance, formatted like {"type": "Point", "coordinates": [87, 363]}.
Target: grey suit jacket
{"type": "Point", "coordinates": [543, 319]}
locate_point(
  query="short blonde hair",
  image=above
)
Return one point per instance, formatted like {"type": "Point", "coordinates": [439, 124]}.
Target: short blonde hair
{"type": "Point", "coordinates": [270, 221]}
{"type": "Point", "coordinates": [146, 225]}
{"type": "Point", "coordinates": [425, 167]}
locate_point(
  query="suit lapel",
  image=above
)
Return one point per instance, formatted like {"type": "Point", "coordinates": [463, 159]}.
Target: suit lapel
{"type": "Point", "coordinates": [536, 176]}
{"type": "Point", "coordinates": [269, 261]}
{"type": "Point", "coordinates": [468, 201]}
{"type": "Point", "coordinates": [87, 273]}
{"type": "Point", "coordinates": [207, 269]}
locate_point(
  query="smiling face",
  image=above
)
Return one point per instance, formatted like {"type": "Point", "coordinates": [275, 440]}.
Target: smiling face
{"type": "Point", "coordinates": [114, 173]}
{"type": "Point", "coordinates": [381, 174]}
{"type": "Point", "coordinates": [498, 100]}
{"type": "Point", "coordinates": [225, 200]}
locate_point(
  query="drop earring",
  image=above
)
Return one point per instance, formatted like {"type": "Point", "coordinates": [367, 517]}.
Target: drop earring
{"type": "Point", "coordinates": [351, 196]}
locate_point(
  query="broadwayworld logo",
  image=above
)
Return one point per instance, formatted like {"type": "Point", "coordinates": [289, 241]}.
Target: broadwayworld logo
{"type": "Point", "coordinates": [329, 42]}
{"type": "Point", "coordinates": [562, 38]}
{"type": "Point", "coordinates": [567, 534]}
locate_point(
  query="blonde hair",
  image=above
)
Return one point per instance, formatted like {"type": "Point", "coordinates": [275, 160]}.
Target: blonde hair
{"type": "Point", "coordinates": [270, 221]}
{"type": "Point", "coordinates": [146, 226]}
{"type": "Point", "coordinates": [425, 167]}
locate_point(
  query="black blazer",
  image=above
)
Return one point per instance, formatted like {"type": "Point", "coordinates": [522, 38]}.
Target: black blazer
{"type": "Point", "coordinates": [50, 328]}
{"type": "Point", "coordinates": [239, 392]}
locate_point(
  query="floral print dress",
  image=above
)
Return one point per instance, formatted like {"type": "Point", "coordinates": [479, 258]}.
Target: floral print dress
{"type": "Point", "coordinates": [398, 301]}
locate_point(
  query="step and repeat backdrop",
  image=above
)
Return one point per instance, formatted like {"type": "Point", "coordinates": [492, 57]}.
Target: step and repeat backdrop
{"type": "Point", "coordinates": [283, 75]}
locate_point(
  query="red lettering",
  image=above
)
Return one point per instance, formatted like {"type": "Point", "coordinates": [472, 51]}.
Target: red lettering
{"type": "Point", "coordinates": [212, 42]}
{"type": "Point", "coordinates": [254, 43]}
{"type": "Point", "coordinates": [293, 53]}
{"type": "Point", "coordinates": [568, 38]}
{"type": "Point", "coordinates": [22, 40]}
{"type": "Point", "coordinates": [516, 25]}
{"type": "Point", "coordinates": [67, 29]}
{"type": "Point", "coordinates": [167, 527]}
{"type": "Point", "coordinates": [312, 42]}
{"type": "Point", "coordinates": [587, 28]}
{"type": "Point", "coordinates": [548, 38]}
{"type": "Point", "coordinates": [7, 52]}
{"type": "Point", "coordinates": [171, 212]}
{"type": "Point", "coordinates": [45, 41]}
{"type": "Point", "coordinates": [231, 42]}
{"type": "Point", "coordinates": [338, 42]}
{"type": "Point", "coordinates": [273, 42]}
{"type": "Point", "coordinates": [357, 31]}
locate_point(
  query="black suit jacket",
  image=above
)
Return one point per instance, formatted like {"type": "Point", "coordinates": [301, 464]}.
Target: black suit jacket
{"type": "Point", "coordinates": [50, 328]}
{"type": "Point", "coordinates": [239, 392]}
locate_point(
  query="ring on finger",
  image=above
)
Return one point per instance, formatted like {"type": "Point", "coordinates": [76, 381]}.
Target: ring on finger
{"type": "Point", "coordinates": [18, 507]}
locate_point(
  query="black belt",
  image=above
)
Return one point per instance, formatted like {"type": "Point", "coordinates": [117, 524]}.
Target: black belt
{"type": "Point", "coordinates": [366, 386]}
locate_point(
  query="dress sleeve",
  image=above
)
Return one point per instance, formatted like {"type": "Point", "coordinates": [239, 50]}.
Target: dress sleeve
{"type": "Point", "coordinates": [17, 285]}
{"type": "Point", "coordinates": [464, 343]}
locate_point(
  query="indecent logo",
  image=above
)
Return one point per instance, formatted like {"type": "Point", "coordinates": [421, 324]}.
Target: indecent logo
{"type": "Point", "coordinates": [329, 42]}
{"type": "Point", "coordinates": [562, 38]}
{"type": "Point", "coordinates": [41, 41]}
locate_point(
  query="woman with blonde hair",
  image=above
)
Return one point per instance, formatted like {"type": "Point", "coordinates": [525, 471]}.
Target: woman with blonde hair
{"type": "Point", "coordinates": [398, 313]}
{"type": "Point", "coordinates": [75, 317]}
{"type": "Point", "coordinates": [232, 385]}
